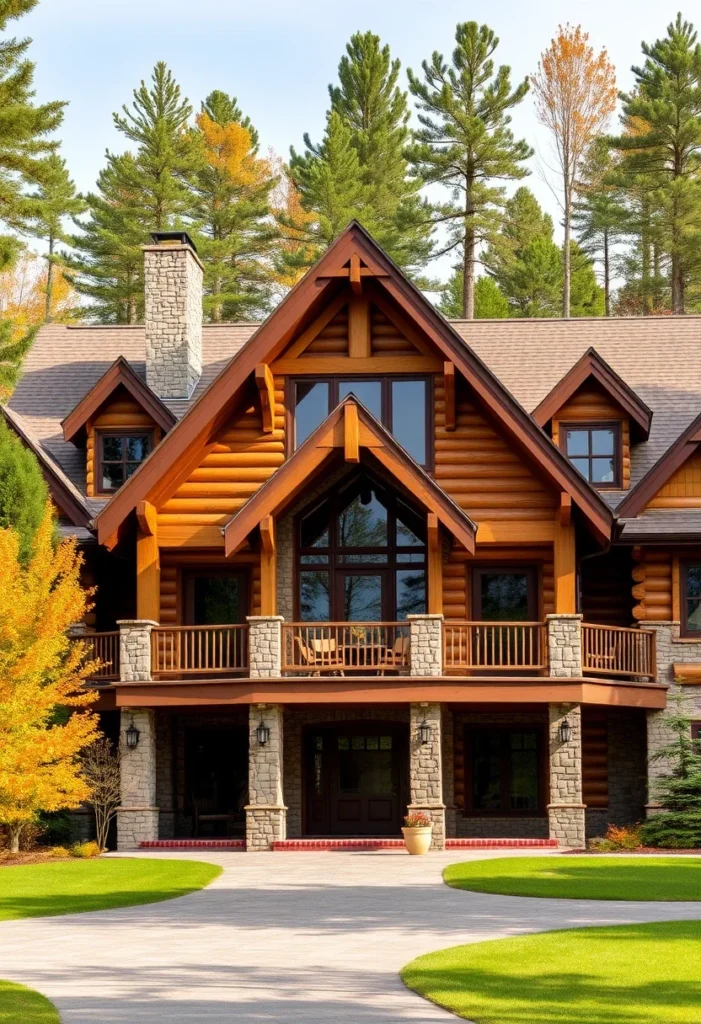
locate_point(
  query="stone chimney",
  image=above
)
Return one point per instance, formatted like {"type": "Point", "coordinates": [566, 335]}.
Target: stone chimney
{"type": "Point", "coordinates": [173, 283]}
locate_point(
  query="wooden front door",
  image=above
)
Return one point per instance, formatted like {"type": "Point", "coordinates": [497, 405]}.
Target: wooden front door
{"type": "Point", "coordinates": [355, 779]}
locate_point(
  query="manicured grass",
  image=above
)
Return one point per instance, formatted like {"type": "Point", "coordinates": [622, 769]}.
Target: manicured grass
{"type": "Point", "coordinates": [630, 974]}
{"type": "Point", "coordinates": [71, 887]}
{"type": "Point", "coordinates": [18, 1003]}
{"type": "Point", "coordinates": [582, 878]}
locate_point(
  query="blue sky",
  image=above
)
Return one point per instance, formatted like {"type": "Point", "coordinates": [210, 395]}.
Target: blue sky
{"type": "Point", "coordinates": [278, 56]}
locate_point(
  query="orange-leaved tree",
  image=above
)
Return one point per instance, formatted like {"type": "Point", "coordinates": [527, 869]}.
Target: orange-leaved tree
{"type": "Point", "coordinates": [45, 710]}
{"type": "Point", "coordinates": [575, 94]}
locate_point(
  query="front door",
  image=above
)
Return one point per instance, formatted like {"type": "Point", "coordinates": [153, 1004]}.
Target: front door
{"type": "Point", "coordinates": [216, 779]}
{"type": "Point", "coordinates": [355, 779]}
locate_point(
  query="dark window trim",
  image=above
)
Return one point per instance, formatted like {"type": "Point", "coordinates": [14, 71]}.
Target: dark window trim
{"type": "Point", "coordinates": [696, 730]}
{"type": "Point", "coordinates": [123, 432]}
{"type": "Point", "coordinates": [543, 772]}
{"type": "Point", "coordinates": [614, 425]}
{"type": "Point", "coordinates": [527, 568]}
{"type": "Point", "coordinates": [385, 381]}
{"type": "Point", "coordinates": [684, 565]}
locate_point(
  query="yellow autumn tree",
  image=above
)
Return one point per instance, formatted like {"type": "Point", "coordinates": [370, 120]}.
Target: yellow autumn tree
{"type": "Point", "coordinates": [575, 95]}
{"type": "Point", "coordinates": [297, 247]}
{"type": "Point", "coordinates": [23, 295]}
{"type": "Point", "coordinates": [45, 710]}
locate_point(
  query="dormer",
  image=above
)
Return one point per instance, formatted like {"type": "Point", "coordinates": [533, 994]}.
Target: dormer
{"type": "Point", "coordinates": [594, 417]}
{"type": "Point", "coordinates": [118, 422]}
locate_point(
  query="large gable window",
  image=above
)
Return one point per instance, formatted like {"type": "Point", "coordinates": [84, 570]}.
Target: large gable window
{"type": "Point", "coordinates": [120, 457]}
{"type": "Point", "coordinates": [594, 449]}
{"type": "Point", "coordinates": [690, 582]}
{"type": "Point", "coordinates": [400, 403]}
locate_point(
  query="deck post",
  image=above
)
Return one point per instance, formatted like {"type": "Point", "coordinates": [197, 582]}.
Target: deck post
{"type": "Point", "coordinates": [266, 813]}
{"type": "Point", "coordinates": [137, 815]}
{"type": "Point", "coordinates": [426, 769]}
{"type": "Point", "coordinates": [565, 645]}
{"type": "Point", "coordinates": [135, 649]}
{"type": "Point", "coordinates": [265, 646]}
{"type": "Point", "coordinates": [566, 811]}
{"type": "Point", "coordinates": [426, 646]}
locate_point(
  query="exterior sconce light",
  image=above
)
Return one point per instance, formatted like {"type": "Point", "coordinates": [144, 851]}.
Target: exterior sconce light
{"type": "Point", "coordinates": [262, 733]}
{"type": "Point", "coordinates": [564, 731]}
{"type": "Point", "coordinates": [424, 733]}
{"type": "Point", "coordinates": [132, 736]}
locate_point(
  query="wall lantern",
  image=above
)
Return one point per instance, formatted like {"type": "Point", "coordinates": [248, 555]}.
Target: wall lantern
{"type": "Point", "coordinates": [424, 732]}
{"type": "Point", "coordinates": [132, 735]}
{"type": "Point", "coordinates": [262, 733]}
{"type": "Point", "coordinates": [564, 731]}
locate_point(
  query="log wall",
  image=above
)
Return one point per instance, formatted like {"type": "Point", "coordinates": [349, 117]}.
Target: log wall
{"type": "Point", "coordinates": [683, 489]}
{"type": "Point", "coordinates": [652, 584]}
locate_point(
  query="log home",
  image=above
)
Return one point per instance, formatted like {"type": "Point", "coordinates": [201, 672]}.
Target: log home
{"type": "Point", "coordinates": [358, 559]}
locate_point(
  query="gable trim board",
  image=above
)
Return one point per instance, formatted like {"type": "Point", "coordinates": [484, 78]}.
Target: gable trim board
{"type": "Point", "coordinates": [197, 427]}
{"type": "Point", "coordinates": [675, 456]}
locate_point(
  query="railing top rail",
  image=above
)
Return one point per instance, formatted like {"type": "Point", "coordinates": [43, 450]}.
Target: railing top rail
{"type": "Point", "coordinates": [92, 636]}
{"type": "Point", "coordinates": [490, 622]}
{"type": "Point", "coordinates": [180, 629]}
{"type": "Point", "coordinates": [618, 629]}
{"type": "Point", "coordinates": [341, 625]}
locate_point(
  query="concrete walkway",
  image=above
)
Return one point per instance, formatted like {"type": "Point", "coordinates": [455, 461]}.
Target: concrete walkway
{"type": "Point", "coordinates": [300, 938]}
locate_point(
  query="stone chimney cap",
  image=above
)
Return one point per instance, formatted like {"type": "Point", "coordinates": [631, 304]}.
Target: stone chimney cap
{"type": "Point", "coordinates": [179, 237]}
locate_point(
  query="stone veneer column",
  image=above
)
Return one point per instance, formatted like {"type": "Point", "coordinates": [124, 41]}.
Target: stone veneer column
{"type": "Point", "coordinates": [135, 649]}
{"type": "Point", "coordinates": [426, 649]}
{"type": "Point", "coordinates": [566, 809]}
{"type": "Point", "coordinates": [565, 645]}
{"type": "Point", "coordinates": [266, 813]}
{"type": "Point", "coordinates": [265, 646]}
{"type": "Point", "coordinates": [426, 769]}
{"type": "Point", "coordinates": [137, 816]}
{"type": "Point", "coordinates": [173, 319]}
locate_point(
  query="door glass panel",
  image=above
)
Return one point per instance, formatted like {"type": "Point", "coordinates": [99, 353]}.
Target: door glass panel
{"type": "Point", "coordinates": [314, 604]}
{"type": "Point", "coordinates": [365, 772]}
{"type": "Point", "coordinates": [504, 596]}
{"type": "Point", "coordinates": [368, 392]}
{"type": "Point", "coordinates": [363, 523]}
{"type": "Point", "coordinates": [362, 597]}
{"type": "Point", "coordinates": [411, 592]}
{"type": "Point", "coordinates": [486, 771]}
{"type": "Point", "coordinates": [311, 408]}
{"type": "Point", "coordinates": [218, 600]}
{"type": "Point", "coordinates": [409, 417]}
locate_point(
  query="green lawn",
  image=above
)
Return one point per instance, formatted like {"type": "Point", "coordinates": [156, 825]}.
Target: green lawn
{"type": "Point", "coordinates": [582, 878]}
{"type": "Point", "coordinates": [70, 887]}
{"type": "Point", "coordinates": [18, 1003]}
{"type": "Point", "coordinates": [630, 974]}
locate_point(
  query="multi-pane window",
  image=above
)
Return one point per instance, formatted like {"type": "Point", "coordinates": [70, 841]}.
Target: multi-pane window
{"type": "Point", "coordinates": [690, 582]}
{"type": "Point", "coordinates": [400, 403]}
{"type": "Point", "coordinates": [593, 449]}
{"type": "Point", "coordinates": [120, 457]}
{"type": "Point", "coordinates": [505, 771]}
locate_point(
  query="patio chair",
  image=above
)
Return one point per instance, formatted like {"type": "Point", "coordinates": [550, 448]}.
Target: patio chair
{"type": "Point", "coordinates": [396, 656]}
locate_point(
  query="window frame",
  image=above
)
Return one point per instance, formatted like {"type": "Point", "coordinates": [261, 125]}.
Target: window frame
{"type": "Point", "coordinates": [528, 569]}
{"type": "Point", "coordinates": [684, 565]}
{"type": "Point", "coordinates": [187, 592]}
{"type": "Point", "coordinates": [542, 770]}
{"type": "Point", "coordinates": [101, 435]}
{"type": "Point", "coordinates": [590, 425]}
{"type": "Point", "coordinates": [696, 731]}
{"type": "Point", "coordinates": [385, 381]}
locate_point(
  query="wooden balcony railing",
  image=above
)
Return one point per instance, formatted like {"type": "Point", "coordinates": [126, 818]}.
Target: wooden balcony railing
{"type": "Point", "coordinates": [337, 648]}
{"type": "Point", "coordinates": [495, 646]}
{"type": "Point", "coordinates": [103, 647]}
{"type": "Point", "coordinates": [618, 651]}
{"type": "Point", "coordinates": [199, 650]}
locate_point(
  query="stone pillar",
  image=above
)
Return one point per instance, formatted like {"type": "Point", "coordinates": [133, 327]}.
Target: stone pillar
{"type": "Point", "coordinates": [566, 809]}
{"type": "Point", "coordinates": [173, 317]}
{"type": "Point", "coordinates": [135, 649]}
{"type": "Point", "coordinates": [426, 650]}
{"type": "Point", "coordinates": [266, 813]}
{"type": "Point", "coordinates": [426, 769]}
{"type": "Point", "coordinates": [137, 816]}
{"type": "Point", "coordinates": [265, 646]}
{"type": "Point", "coordinates": [565, 645]}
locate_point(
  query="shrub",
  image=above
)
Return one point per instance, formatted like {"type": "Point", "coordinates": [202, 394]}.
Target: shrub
{"type": "Point", "coordinates": [85, 850]}
{"type": "Point", "coordinates": [419, 819]}
{"type": "Point", "coordinates": [59, 851]}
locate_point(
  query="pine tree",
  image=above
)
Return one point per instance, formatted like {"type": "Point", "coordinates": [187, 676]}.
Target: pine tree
{"type": "Point", "coordinates": [465, 142]}
{"type": "Point", "coordinates": [231, 210]}
{"type": "Point", "coordinates": [23, 490]}
{"type": "Point", "coordinates": [490, 304]}
{"type": "Point", "coordinates": [666, 105]}
{"type": "Point", "coordinates": [598, 217]}
{"type": "Point", "coordinates": [679, 787]}
{"type": "Point", "coordinates": [586, 294]}
{"type": "Point", "coordinates": [375, 109]}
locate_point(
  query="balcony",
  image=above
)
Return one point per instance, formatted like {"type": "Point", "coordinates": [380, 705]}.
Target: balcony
{"type": "Point", "coordinates": [103, 647]}
{"type": "Point", "coordinates": [181, 651]}
{"type": "Point", "coordinates": [513, 647]}
{"type": "Point", "coordinates": [618, 652]}
{"type": "Point", "coordinates": [340, 648]}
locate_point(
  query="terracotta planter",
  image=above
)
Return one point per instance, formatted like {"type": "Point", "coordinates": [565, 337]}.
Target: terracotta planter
{"type": "Point", "coordinates": [418, 840]}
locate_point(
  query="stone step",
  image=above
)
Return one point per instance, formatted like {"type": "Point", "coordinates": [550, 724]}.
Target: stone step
{"type": "Point", "coordinates": [345, 844]}
{"type": "Point", "coordinates": [193, 844]}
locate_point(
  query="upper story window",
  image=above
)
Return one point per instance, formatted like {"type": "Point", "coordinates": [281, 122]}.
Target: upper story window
{"type": "Point", "coordinates": [595, 450]}
{"type": "Point", "coordinates": [120, 455]}
{"type": "Point", "coordinates": [690, 582]}
{"type": "Point", "coordinates": [400, 403]}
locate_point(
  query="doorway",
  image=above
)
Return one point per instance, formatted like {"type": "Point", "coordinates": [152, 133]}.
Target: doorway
{"type": "Point", "coordinates": [356, 779]}
{"type": "Point", "coordinates": [216, 779]}
{"type": "Point", "coordinates": [505, 593]}
{"type": "Point", "coordinates": [215, 597]}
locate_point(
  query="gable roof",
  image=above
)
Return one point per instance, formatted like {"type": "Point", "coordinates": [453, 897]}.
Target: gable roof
{"type": "Point", "coordinates": [156, 475]}
{"type": "Point", "coordinates": [62, 490]}
{"type": "Point", "coordinates": [675, 456]}
{"type": "Point", "coordinates": [591, 364]}
{"type": "Point", "coordinates": [350, 424]}
{"type": "Point", "coordinates": [120, 374]}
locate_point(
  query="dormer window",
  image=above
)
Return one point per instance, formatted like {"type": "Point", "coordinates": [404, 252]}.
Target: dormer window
{"type": "Point", "coordinates": [120, 456]}
{"type": "Point", "coordinates": [594, 449]}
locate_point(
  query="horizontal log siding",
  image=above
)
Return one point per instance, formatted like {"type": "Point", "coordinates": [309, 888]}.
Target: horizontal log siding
{"type": "Point", "coordinates": [595, 787]}
{"type": "Point", "coordinates": [242, 459]}
{"type": "Point", "coordinates": [120, 412]}
{"type": "Point", "coordinates": [333, 339]}
{"type": "Point", "coordinates": [683, 489]}
{"type": "Point", "coordinates": [652, 584]}
{"type": "Point", "coordinates": [590, 405]}
{"type": "Point", "coordinates": [385, 338]}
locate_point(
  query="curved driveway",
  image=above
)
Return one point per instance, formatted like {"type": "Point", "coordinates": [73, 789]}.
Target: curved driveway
{"type": "Point", "coordinates": [300, 938]}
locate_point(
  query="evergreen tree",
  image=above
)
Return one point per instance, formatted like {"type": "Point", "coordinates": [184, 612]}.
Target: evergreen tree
{"type": "Point", "coordinates": [375, 109]}
{"type": "Point", "coordinates": [465, 142]}
{"type": "Point", "coordinates": [231, 210]}
{"type": "Point", "coordinates": [598, 217]}
{"type": "Point", "coordinates": [679, 787]}
{"type": "Point", "coordinates": [490, 304]}
{"type": "Point", "coordinates": [666, 148]}
{"type": "Point", "coordinates": [23, 490]}
{"type": "Point", "coordinates": [586, 294]}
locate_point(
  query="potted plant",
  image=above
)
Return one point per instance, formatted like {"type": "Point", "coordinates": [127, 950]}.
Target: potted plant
{"type": "Point", "coordinates": [417, 831]}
